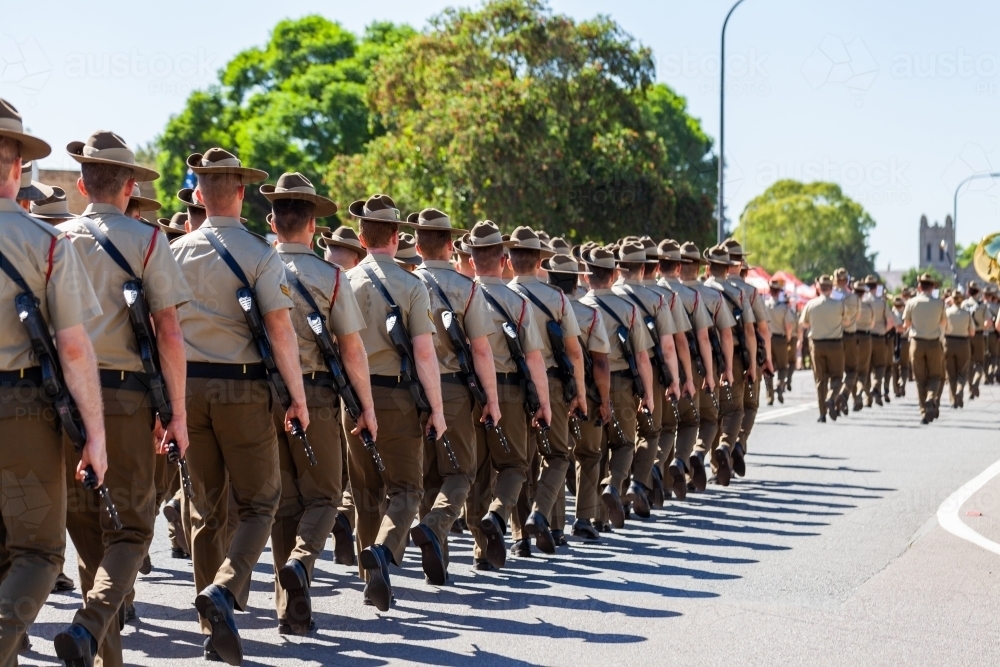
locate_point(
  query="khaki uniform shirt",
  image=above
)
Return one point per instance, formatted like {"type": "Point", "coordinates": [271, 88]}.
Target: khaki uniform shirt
{"type": "Point", "coordinates": [593, 333]}
{"type": "Point", "coordinates": [736, 296]}
{"type": "Point", "coordinates": [960, 322]}
{"type": "Point", "coordinates": [630, 317]}
{"type": "Point", "coordinates": [558, 305]}
{"type": "Point", "coordinates": [979, 312]}
{"type": "Point", "coordinates": [750, 296]}
{"type": "Point", "coordinates": [520, 312]}
{"type": "Point", "coordinates": [215, 328]}
{"type": "Point", "coordinates": [866, 316]}
{"type": "Point", "coordinates": [825, 318]}
{"type": "Point", "coordinates": [468, 302]}
{"type": "Point", "coordinates": [883, 314]}
{"type": "Point", "coordinates": [778, 315]}
{"type": "Point", "coordinates": [692, 303]}
{"type": "Point", "coordinates": [682, 323]}
{"type": "Point", "coordinates": [994, 311]}
{"type": "Point", "coordinates": [923, 314]}
{"type": "Point", "coordinates": [409, 293]}
{"type": "Point", "coordinates": [852, 309]}
{"type": "Point", "coordinates": [147, 252]}
{"type": "Point", "coordinates": [50, 266]}
{"type": "Point", "coordinates": [715, 303]}
{"type": "Point", "coordinates": [325, 283]}
{"type": "Point", "coordinates": [654, 303]}
{"type": "Point", "coordinates": [897, 315]}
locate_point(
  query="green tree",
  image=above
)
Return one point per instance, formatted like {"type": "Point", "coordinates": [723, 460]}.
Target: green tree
{"type": "Point", "coordinates": [292, 104]}
{"type": "Point", "coordinates": [910, 277]}
{"type": "Point", "coordinates": [965, 254]}
{"type": "Point", "coordinates": [512, 113]}
{"type": "Point", "coordinates": [807, 228]}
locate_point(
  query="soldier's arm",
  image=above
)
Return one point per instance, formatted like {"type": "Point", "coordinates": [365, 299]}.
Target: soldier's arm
{"type": "Point", "coordinates": [684, 361]}
{"type": "Point", "coordinates": [285, 348]}
{"type": "Point", "coordinates": [602, 380]}
{"type": "Point", "coordinates": [352, 352]}
{"type": "Point", "coordinates": [430, 377]}
{"type": "Point", "coordinates": [536, 366]}
{"type": "Point", "coordinates": [575, 353]}
{"type": "Point", "coordinates": [79, 365]}
{"type": "Point", "coordinates": [646, 374]}
{"type": "Point", "coordinates": [765, 333]}
{"type": "Point", "coordinates": [726, 338]}
{"type": "Point", "coordinates": [751, 337]}
{"type": "Point", "coordinates": [173, 362]}
{"type": "Point", "coordinates": [670, 357]}
{"type": "Point", "coordinates": [482, 359]}
{"type": "Point", "coordinates": [705, 347]}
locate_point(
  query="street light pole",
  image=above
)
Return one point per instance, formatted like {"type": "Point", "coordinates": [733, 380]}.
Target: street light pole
{"type": "Point", "coordinates": [722, 124]}
{"type": "Point", "coordinates": [954, 215]}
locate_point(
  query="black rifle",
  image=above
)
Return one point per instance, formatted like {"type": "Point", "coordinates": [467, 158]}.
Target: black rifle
{"type": "Point", "coordinates": [463, 355]}
{"type": "Point", "coordinates": [897, 344]}
{"type": "Point", "coordinates": [666, 377]}
{"type": "Point", "coordinates": [740, 336]}
{"type": "Point", "coordinates": [247, 300]}
{"type": "Point", "coordinates": [719, 359]}
{"type": "Point", "coordinates": [400, 338]}
{"type": "Point", "coordinates": [330, 352]}
{"type": "Point", "coordinates": [699, 363]}
{"type": "Point", "coordinates": [54, 384]}
{"type": "Point", "coordinates": [615, 426]}
{"type": "Point", "coordinates": [622, 333]}
{"type": "Point", "coordinates": [557, 342]}
{"type": "Point", "coordinates": [532, 403]}
{"type": "Point", "coordinates": [142, 328]}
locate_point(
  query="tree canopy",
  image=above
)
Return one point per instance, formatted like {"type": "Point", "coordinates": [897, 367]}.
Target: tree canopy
{"type": "Point", "coordinates": [807, 228]}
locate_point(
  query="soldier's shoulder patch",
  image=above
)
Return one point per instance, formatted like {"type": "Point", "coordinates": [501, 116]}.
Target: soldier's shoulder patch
{"type": "Point", "coordinates": [430, 316]}
{"type": "Point", "coordinates": [285, 290]}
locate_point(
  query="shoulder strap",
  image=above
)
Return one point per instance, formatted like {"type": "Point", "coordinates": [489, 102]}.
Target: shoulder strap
{"type": "Point", "coordinates": [379, 286]}
{"type": "Point", "coordinates": [226, 256]}
{"type": "Point", "coordinates": [109, 247]}
{"type": "Point", "coordinates": [610, 312]}
{"type": "Point", "coordinates": [635, 297]}
{"type": "Point", "coordinates": [432, 281]}
{"type": "Point", "coordinates": [535, 300]}
{"type": "Point", "coordinates": [15, 275]}
{"type": "Point", "coordinates": [500, 308]}
{"type": "Point", "coordinates": [297, 284]}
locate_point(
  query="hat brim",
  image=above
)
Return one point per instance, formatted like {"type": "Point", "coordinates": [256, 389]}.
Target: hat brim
{"type": "Point", "coordinates": [726, 263]}
{"type": "Point", "coordinates": [454, 231]}
{"type": "Point", "coordinates": [192, 203]}
{"type": "Point", "coordinates": [249, 176]}
{"type": "Point", "coordinates": [545, 252]}
{"type": "Point", "coordinates": [33, 192]}
{"type": "Point", "coordinates": [357, 210]}
{"type": "Point", "coordinates": [701, 261]}
{"type": "Point", "coordinates": [324, 207]}
{"type": "Point", "coordinates": [411, 261]}
{"type": "Point", "coordinates": [168, 230]}
{"type": "Point", "coordinates": [139, 173]}
{"type": "Point", "coordinates": [32, 148]}
{"type": "Point", "coordinates": [53, 216]}
{"type": "Point", "coordinates": [547, 265]}
{"type": "Point", "coordinates": [146, 204]}
{"type": "Point", "coordinates": [327, 242]}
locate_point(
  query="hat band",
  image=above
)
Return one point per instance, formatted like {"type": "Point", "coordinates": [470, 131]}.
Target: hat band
{"type": "Point", "coordinates": [563, 263]}
{"type": "Point", "coordinates": [301, 190]}
{"type": "Point", "coordinates": [528, 244]}
{"type": "Point", "coordinates": [55, 208]}
{"type": "Point", "coordinates": [436, 223]}
{"type": "Point", "coordinates": [12, 125]}
{"type": "Point", "coordinates": [493, 239]}
{"type": "Point", "coordinates": [389, 214]}
{"type": "Point", "coordinates": [226, 162]}
{"type": "Point", "coordinates": [633, 257]}
{"type": "Point", "coordinates": [112, 154]}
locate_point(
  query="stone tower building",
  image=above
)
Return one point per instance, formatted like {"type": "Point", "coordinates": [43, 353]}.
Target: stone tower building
{"type": "Point", "coordinates": [932, 252]}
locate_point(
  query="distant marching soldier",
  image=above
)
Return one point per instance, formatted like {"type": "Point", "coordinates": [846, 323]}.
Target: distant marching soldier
{"type": "Point", "coordinates": [880, 331]}
{"type": "Point", "coordinates": [901, 360]}
{"type": "Point", "coordinates": [824, 318]}
{"type": "Point", "coordinates": [781, 322]}
{"type": "Point", "coordinates": [925, 319]}
{"type": "Point", "coordinates": [852, 310]}
{"type": "Point", "coordinates": [983, 321]}
{"type": "Point", "coordinates": [958, 348]}
{"type": "Point", "coordinates": [865, 322]}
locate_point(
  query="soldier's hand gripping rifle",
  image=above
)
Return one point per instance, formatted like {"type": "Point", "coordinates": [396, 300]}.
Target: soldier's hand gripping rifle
{"type": "Point", "coordinates": [665, 376]}
{"type": "Point", "coordinates": [719, 359]}
{"type": "Point", "coordinates": [628, 354]}
{"type": "Point", "coordinates": [138, 314]}
{"type": "Point", "coordinates": [740, 340]}
{"type": "Point", "coordinates": [699, 364]}
{"type": "Point", "coordinates": [55, 389]}
{"type": "Point", "coordinates": [532, 403]}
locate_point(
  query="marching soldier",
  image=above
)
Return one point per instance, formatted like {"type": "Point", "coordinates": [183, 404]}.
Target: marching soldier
{"type": "Point", "coordinates": [982, 320]}
{"type": "Point", "coordinates": [865, 321]}
{"type": "Point", "coordinates": [38, 260]}
{"type": "Point", "coordinates": [115, 249]}
{"type": "Point", "coordinates": [311, 494]}
{"type": "Point", "coordinates": [406, 254]}
{"type": "Point", "coordinates": [564, 273]}
{"type": "Point", "coordinates": [680, 459]}
{"type": "Point", "coordinates": [550, 306]}
{"type": "Point", "coordinates": [343, 248]}
{"type": "Point", "coordinates": [958, 349]}
{"type": "Point", "coordinates": [926, 320]}
{"type": "Point", "coordinates": [781, 322]}
{"type": "Point", "coordinates": [195, 209]}
{"type": "Point", "coordinates": [174, 226]}
{"type": "Point", "coordinates": [992, 335]}
{"type": "Point", "coordinates": [881, 350]}
{"type": "Point", "coordinates": [232, 432]}
{"type": "Point", "coordinates": [53, 209]}
{"type": "Point", "coordinates": [513, 320]}
{"type": "Point", "coordinates": [397, 316]}
{"type": "Point", "coordinates": [631, 339]}
{"type": "Point", "coordinates": [727, 452]}
{"type": "Point", "coordinates": [901, 360]}
{"type": "Point", "coordinates": [824, 319]}
{"type": "Point", "coordinates": [852, 310]}
{"type": "Point", "coordinates": [464, 323]}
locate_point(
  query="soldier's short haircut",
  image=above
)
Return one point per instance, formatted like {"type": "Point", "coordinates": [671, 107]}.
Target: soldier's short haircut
{"type": "Point", "coordinates": [104, 181]}
{"type": "Point", "coordinates": [668, 265]}
{"type": "Point", "coordinates": [631, 268]}
{"type": "Point", "coordinates": [926, 286]}
{"type": "Point", "coordinates": [718, 270]}
{"type": "Point", "coordinates": [10, 154]}
{"type": "Point", "coordinates": [433, 242]}
{"type": "Point", "coordinates": [132, 208]}
{"type": "Point", "coordinates": [376, 234]}
{"type": "Point", "coordinates": [218, 190]}
{"type": "Point", "coordinates": [292, 216]}
{"type": "Point", "coordinates": [487, 258]}
{"type": "Point", "coordinates": [524, 260]}
{"type": "Point", "coordinates": [196, 216]}
{"type": "Point", "coordinates": [601, 275]}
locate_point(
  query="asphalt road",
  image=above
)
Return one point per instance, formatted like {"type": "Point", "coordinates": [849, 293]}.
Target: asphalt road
{"type": "Point", "coordinates": [829, 552]}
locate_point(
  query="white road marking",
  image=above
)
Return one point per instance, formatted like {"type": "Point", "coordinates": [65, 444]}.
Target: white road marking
{"type": "Point", "coordinates": [782, 412]}
{"type": "Point", "coordinates": [947, 513]}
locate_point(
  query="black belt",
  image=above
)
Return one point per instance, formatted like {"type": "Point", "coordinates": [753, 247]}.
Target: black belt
{"type": "Point", "coordinates": [554, 373]}
{"type": "Point", "coordinates": [509, 378]}
{"type": "Point", "coordinates": [388, 381]}
{"type": "Point", "coordinates": [318, 379]}
{"type": "Point", "coordinates": [866, 333]}
{"type": "Point", "coordinates": [826, 340]}
{"type": "Point", "coordinates": [781, 336]}
{"type": "Point", "coordinates": [32, 375]}
{"type": "Point", "coordinates": [123, 380]}
{"type": "Point", "coordinates": [850, 333]}
{"type": "Point", "coordinates": [200, 369]}
{"type": "Point", "coordinates": [452, 378]}
{"type": "Point", "coordinates": [953, 338]}
{"type": "Point", "coordinates": [624, 373]}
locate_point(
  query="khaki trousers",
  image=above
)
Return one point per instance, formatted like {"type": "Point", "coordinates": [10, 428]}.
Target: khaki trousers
{"type": "Point", "coordinates": [779, 357]}
{"type": "Point", "coordinates": [499, 474]}
{"type": "Point", "coordinates": [33, 526]}
{"type": "Point", "coordinates": [307, 509]}
{"type": "Point", "coordinates": [880, 360]}
{"type": "Point", "coordinates": [927, 359]}
{"type": "Point", "coordinates": [957, 354]}
{"type": "Point", "coordinates": [620, 454]}
{"type": "Point", "coordinates": [828, 369]}
{"type": "Point", "coordinates": [233, 459]}
{"type": "Point", "coordinates": [751, 402]}
{"type": "Point", "coordinates": [386, 502]}
{"type": "Point", "coordinates": [851, 363]}
{"type": "Point", "coordinates": [730, 414]}
{"type": "Point", "coordinates": [992, 351]}
{"type": "Point", "coordinates": [109, 559]}
{"type": "Point", "coordinates": [588, 466]}
{"type": "Point", "coordinates": [446, 488]}
{"type": "Point", "coordinates": [864, 366]}
{"type": "Point", "coordinates": [708, 423]}
{"type": "Point", "coordinates": [978, 359]}
{"type": "Point", "coordinates": [647, 446]}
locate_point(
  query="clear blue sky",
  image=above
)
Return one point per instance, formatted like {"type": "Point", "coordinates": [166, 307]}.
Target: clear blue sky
{"type": "Point", "coordinates": [896, 100]}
